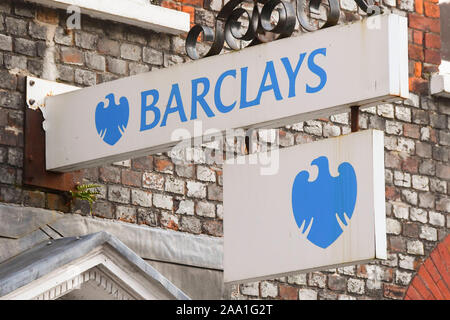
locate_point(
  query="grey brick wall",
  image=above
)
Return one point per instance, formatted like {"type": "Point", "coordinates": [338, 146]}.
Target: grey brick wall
{"type": "Point", "coordinates": [156, 191]}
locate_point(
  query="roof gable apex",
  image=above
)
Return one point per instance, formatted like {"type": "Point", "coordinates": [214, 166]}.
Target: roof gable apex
{"type": "Point", "coordinates": [51, 264]}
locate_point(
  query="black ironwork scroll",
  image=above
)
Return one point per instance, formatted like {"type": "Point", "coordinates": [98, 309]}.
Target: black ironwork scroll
{"type": "Point", "coordinates": [260, 27]}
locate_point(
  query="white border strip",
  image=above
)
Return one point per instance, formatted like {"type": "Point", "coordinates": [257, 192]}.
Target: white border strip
{"type": "Point", "coordinates": [379, 195]}
{"type": "Point", "coordinates": [134, 12]}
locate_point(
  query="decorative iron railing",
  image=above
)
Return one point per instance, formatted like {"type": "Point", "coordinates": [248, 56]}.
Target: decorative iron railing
{"type": "Point", "coordinates": [227, 24]}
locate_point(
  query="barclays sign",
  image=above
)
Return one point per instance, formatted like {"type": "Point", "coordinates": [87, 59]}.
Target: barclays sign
{"type": "Point", "coordinates": [269, 85]}
{"type": "Point", "coordinates": [111, 119]}
{"type": "Point", "coordinates": [184, 109]}
{"type": "Point", "coordinates": [321, 207]}
{"type": "Point", "coordinates": [324, 208]}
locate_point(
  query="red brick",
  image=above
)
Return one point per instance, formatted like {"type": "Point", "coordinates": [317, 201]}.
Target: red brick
{"type": "Point", "coordinates": [392, 160]}
{"type": "Point", "coordinates": [195, 3]}
{"type": "Point", "coordinates": [361, 271]}
{"type": "Point", "coordinates": [109, 47]}
{"type": "Point", "coordinates": [421, 288]}
{"type": "Point", "coordinates": [445, 255]}
{"type": "Point", "coordinates": [171, 5]}
{"type": "Point", "coordinates": [8, 138]}
{"type": "Point", "coordinates": [418, 85]}
{"type": "Point", "coordinates": [57, 202]}
{"type": "Point", "coordinates": [131, 178]}
{"type": "Point", "coordinates": [337, 282]}
{"type": "Point", "coordinates": [162, 165]}
{"type": "Point", "coordinates": [432, 41]}
{"type": "Point", "coordinates": [410, 165]}
{"type": "Point", "coordinates": [430, 284]}
{"type": "Point", "coordinates": [414, 69]}
{"type": "Point", "coordinates": [143, 163]}
{"type": "Point", "coordinates": [431, 268]}
{"type": "Point", "coordinates": [433, 56]}
{"type": "Point", "coordinates": [418, 69]}
{"type": "Point", "coordinates": [396, 244]}
{"type": "Point", "coordinates": [431, 9]}
{"type": "Point", "coordinates": [418, 37]}
{"type": "Point", "coordinates": [423, 23]}
{"type": "Point", "coordinates": [393, 291]}
{"type": "Point", "coordinates": [72, 56]}
{"type": "Point", "coordinates": [219, 175]}
{"type": "Point", "coordinates": [213, 228]}
{"type": "Point", "coordinates": [191, 11]}
{"type": "Point", "coordinates": [447, 242]}
{"type": "Point", "coordinates": [417, 263]}
{"type": "Point", "coordinates": [437, 260]}
{"type": "Point", "coordinates": [430, 68]}
{"type": "Point", "coordinates": [391, 193]}
{"type": "Point", "coordinates": [444, 289]}
{"type": "Point", "coordinates": [411, 130]}
{"type": "Point", "coordinates": [433, 137]}
{"type": "Point", "coordinates": [47, 15]}
{"type": "Point", "coordinates": [109, 174]}
{"type": "Point", "coordinates": [415, 52]}
{"type": "Point", "coordinates": [172, 225]}
{"type": "Point", "coordinates": [388, 274]}
{"type": "Point", "coordinates": [288, 293]}
{"type": "Point", "coordinates": [34, 198]}
{"type": "Point", "coordinates": [413, 294]}
{"type": "Point", "coordinates": [418, 5]}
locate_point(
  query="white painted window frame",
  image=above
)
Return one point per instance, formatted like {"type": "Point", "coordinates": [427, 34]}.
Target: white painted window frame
{"type": "Point", "coordinates": [139, 13]}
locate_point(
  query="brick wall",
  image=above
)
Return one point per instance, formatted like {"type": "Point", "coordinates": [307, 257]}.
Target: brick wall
{"type": "Point", "coordinates": [432, 281]}
{"type": "Point", "coordinates": [424, 43]}
{"type": "Point", "coordinates": [155, 191]}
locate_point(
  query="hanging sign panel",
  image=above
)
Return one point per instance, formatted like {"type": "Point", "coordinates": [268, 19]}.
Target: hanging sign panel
{"type": "Point", "coordinates": [324, 208]}
{"type": "Point", "coordinates": [268, 85]}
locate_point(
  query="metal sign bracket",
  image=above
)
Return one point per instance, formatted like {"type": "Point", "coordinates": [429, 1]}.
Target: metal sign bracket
{"type": "Point", "coordinates": [35, 173]}
{"type": "Point", "coordinates": [354, 116]}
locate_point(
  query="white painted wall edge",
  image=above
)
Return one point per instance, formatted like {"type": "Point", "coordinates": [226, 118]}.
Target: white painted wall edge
{"type": "Point", "coordinates": [134, 12]}
{"type": "Point", "coordinates": [379, 195]}
{"type": "Point", "coordinates": [444, 68]}
{"type": "Point", "coordinates": [440, 85]}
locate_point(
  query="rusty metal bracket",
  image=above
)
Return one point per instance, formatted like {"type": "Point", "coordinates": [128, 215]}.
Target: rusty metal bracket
{"type": "Point", "coordinates": [38, 90]}
{"type": "Point", "coordinates": [354, 118]}
{"type": "Point", "coordinates": [35, 173]}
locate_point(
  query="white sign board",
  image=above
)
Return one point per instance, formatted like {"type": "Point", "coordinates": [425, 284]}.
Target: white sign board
{"type": "Point", "coordinates": [324, 208]}
{"type": "Point", "coordinates": [283, 82]}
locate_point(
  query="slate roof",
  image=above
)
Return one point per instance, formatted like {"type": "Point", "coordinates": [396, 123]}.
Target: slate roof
{"type": "Point", "coordinates": [48, 256]}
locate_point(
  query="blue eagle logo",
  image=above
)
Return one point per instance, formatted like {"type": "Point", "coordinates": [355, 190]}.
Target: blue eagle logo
{"type": "Point", "coordinates": [112, 120]}
{"type": "Point", "coordinates": [319, 204]}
